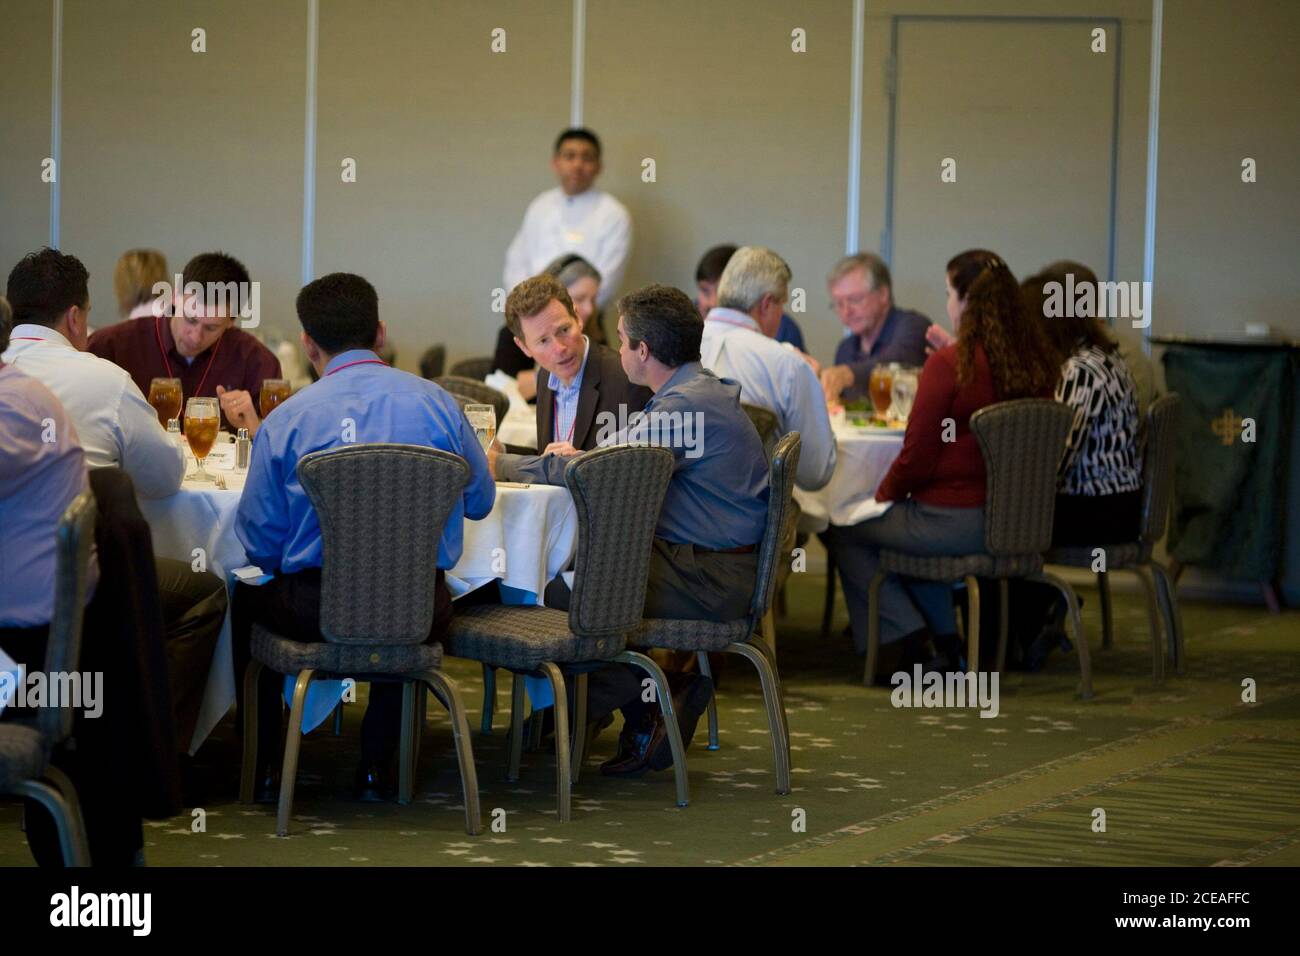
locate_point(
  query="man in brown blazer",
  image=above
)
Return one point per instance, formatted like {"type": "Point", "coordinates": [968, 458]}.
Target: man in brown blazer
{"type": "Point", "coordinates": [586, 379]}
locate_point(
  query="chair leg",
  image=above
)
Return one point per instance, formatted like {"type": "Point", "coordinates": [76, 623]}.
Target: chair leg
{"type": "Point", "coordinates": [873, 628]}
{"type": "Point", "coordinates": [489, 698]}
{"type": "Point", "coordinates": [1157, 627]}
{"type": "Point", "coordinates": [421, 720]}
{"type": "Point", "coordinates": [828, 603]}
{"type": "Point", "coordinates": [406, 746]}
{"type": "Point", "coordinates": [665, 696]}
{"type": "Point", "coordinates": [1107, 616]}
{"type": "Point", "coordinates": [248, 764]}
{"type": "Point", "coordinates": [444, 688]}
{"type": "Point", "coordinates": [702, 660]}
{"type": "Point", "coordinates": [1076, 626]}
{"type": "Point", "coordinates": [776, 676]}
{"type": "Point", "coordinates": [563, 781]}
{"type": "Point", "coordinates": [972, 623]}
{"type": "Point", "coordinates": [768, 628]}
{"type": "Point", "coordinates": [1004, 621]}
{"type": "Point", "coordinates": [338, 719]}
{"type": "Point", "coordinates": [1173, 618]}
{"type": "Point", "coordinates": [62, 806]}
{"type": "Point", "coordinates": [535, 729]}
{"type": "Point", "coordinates": [775, 704]}
{"type": "Point", "coordinates": [289, 770]}
{"type": "Point", "coordinates": [516, 727]}
{"type": "Point", "coordinates": [578, 745]}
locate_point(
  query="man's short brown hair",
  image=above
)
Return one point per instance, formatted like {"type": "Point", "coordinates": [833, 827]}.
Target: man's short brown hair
{"type": "Point", "coordinates": [530, 297]}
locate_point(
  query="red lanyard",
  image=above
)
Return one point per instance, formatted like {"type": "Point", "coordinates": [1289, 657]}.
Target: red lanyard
{"type": "Point", "coordinates": [555, 428]}
{"type": "Point", "coordinates": [168, 365]}
{"type": "Point", "coordinates": [739, 325]}
{"type": "Point", "coordinates": [357, 362]}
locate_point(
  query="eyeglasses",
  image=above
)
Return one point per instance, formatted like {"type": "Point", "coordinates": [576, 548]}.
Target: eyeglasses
{"type": "Point", "coordinates": [858, 299]}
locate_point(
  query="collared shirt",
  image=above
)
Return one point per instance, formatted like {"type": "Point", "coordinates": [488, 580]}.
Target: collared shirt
{"type": "Point", "coordinates": [117, 426]}
{"type": "Point", "coordinates": [717, 498]}
{"type": "Point", "coordinates": [566, 397]}
{"type": "Point", "coordinates": [593, 224]}
{"type": "Point", "coordinates": [42, 469]}
{"type": "Point", "coordinates": [146, 349]}
{"type": "Point", "coordinates": [774, 377]}
{"type": "Point", "coordinates": [358, 399]}
{"type": "Point", "coordinates": [901, 339]}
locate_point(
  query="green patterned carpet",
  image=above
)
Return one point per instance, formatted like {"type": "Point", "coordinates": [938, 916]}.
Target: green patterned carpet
{"type": "Point", "coordinates": [1185, 773]}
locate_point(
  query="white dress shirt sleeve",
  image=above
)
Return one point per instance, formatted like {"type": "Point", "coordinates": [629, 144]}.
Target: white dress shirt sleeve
{"type": "Point", "coordinates": [807, 414]}
{"type": "Point", "coordinates": [154, 462]}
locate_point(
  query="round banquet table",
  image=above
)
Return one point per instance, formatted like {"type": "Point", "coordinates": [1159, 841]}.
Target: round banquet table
{"type": "Point", "coordinates": [863, 457]}
{"type": "Point", "coordinates": [525, 541]}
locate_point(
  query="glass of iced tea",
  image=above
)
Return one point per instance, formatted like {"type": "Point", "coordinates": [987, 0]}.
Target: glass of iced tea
{"type": "Point", "coordinates": [274, 392]}
{"type": "Point", "coordinates": [165, 397]}
{"type": "Point", "coordinates": [881, 387]}
{"type": "Point", "coordinates": [202, 419]}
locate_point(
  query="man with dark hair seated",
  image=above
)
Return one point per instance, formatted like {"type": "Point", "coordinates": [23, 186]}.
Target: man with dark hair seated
{"type": "Point", "coordinates": [705, 555]}
{"type": "Point", "coordinates": [361, 399]}
{"type": "Point", "coordinates": [198, 340]}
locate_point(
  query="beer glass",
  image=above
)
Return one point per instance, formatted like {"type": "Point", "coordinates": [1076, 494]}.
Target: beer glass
{"type": "Point", "coordinates": [202, 419]}
{"type": "Point", "coordinates": [274, 392]}
{"type": "Point", "coordinates": [483, 418]}
{"type": "Point", "coordinates": [165, 397]}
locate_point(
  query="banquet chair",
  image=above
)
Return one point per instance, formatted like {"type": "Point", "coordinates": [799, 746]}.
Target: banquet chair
{"type": "Point", "coordinates": [617, 493]}
{"type": "Point", "coordinates": [382, 508]}
{"type": "Point", "coordinates": [477, 368]}
{"type": "Point", "coordinates": [474, 391]}
{"type": "Point", "coordinates": [766, 423]}
{"type": "Point", "coordinates": [1022, 442]}
{"type": "Point", "coordinates": [1136, 556]}
{"type": "Point", "coordinates": [26, 745]}
{"type": "Point", "coordinates": [749, 636]}
{"type": "Point", "coordinates": [433, 361]}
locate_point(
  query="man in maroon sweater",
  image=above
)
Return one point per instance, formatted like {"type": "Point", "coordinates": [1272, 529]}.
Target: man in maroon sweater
{"type": "Point", "coordinates": [199, 343]}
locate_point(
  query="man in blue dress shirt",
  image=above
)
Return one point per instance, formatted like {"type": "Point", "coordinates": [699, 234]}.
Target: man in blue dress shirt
{"type": "Point", "coordinates": [705, 555]}
{"type": "Point", "coordinates": [358, 399]}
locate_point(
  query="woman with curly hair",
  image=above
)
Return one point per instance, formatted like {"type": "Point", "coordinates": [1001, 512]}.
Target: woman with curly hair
{"type": "Point", "coordinates": [937, 483]}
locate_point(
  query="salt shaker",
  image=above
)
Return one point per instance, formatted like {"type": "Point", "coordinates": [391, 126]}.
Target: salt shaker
{"type": "Point", "coordinates": [174, 432]}
{"type": "Point", "coordinates": [243, 449]}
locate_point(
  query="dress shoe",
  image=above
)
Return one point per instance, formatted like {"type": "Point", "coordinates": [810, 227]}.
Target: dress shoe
{"type": "Point", "coordinates": [267, 788]}
{"type": "Point", "coordinates": [371, 784]}
{"type": "Point", "coordinates": [630, 761]}
{"type": "Point", "coordinates": [690, 703]}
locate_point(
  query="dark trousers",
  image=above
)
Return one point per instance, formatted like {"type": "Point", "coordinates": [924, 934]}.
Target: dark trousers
{"type": "Point", "coordinates": [289, 605]}
{"type": "Point", "coordinates": [114, 830]}
{"type": "Point", "coordinates": [686, 584]}
{"type": "Point", "coordinates": [193, 608]}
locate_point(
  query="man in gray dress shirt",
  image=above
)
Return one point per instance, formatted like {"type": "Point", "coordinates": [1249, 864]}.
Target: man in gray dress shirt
{"type": "Point", "coordinates": [705, 554]}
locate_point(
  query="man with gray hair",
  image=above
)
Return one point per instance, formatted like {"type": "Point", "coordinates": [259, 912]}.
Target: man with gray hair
{"type": "Point", "coordinates": [739, 346]}
{"type": "Point", "coordinates": [862, 297]}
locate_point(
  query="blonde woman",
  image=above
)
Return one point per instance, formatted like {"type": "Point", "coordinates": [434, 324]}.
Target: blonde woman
{"type": "Point", "coordinates": [133, 281]}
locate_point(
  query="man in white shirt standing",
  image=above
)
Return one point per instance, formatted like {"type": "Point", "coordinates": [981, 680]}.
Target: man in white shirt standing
{"type": "Point", "coordinates": [573, 217]}
{"type": "Point", "coordinates": [738, 345]}
{"type": "Point", "coordinates": [49, 293]}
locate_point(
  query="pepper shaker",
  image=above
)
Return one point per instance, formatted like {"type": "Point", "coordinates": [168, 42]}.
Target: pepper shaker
{"type": "Point", "coordinates": [243, 449]}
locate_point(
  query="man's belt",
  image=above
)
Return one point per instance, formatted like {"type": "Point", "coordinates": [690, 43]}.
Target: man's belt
{"type": "Point", "coordinates": [746, 549]}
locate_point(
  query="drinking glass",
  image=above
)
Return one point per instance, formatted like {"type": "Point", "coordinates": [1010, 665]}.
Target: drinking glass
{"type": "Point", "coordinates": [882, 381]}
{"type": "Point", "coordinates": [483, 418]}
{"type": "Point", "coordinates": [274, 392]}
{"type": "Point", "coordinates": [165, 397]}
{"type": "Point", "coordinates": [903, 393]}
{"type": "Point", "coordinates": [202, 419]}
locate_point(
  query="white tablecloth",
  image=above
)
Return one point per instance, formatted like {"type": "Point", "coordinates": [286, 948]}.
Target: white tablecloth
{"type": "Point", "coordinates": [863, 458]}
{"type": "Point", "coordinates": [526, 540]}
{"type": "Point", "coordinates": [519, 427]}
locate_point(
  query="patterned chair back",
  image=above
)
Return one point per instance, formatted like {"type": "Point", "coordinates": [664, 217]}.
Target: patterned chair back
{"type": "Point", "coordinates": [382, 509]}
{"type": "Point", "coordinates": [1158, 468]}
{"type": "Point", "coordinates": [474, 391]}
{"type": "Point", "coordinates": [433, 361]}
{"type": "Point", "coordinates": [477, 368]}
{"type": "Point", "coordinates": [1022, 442]}
{"type": "Point", "coordinates": [780, 486]}
{"type": "Point", "coordinates": [76, 534]}
{"type": "Point", "coordinates": [618, 493]}
{"type": "Point", "coordinates": [766, 423]}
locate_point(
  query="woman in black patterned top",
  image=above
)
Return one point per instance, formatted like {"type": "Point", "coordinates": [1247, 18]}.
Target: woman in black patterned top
{"type": "Point", "coordinates": [1100, 495]}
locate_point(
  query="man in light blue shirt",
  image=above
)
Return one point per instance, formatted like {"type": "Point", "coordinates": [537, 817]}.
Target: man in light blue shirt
{"type": "Point", "coordinates": [358, 399]}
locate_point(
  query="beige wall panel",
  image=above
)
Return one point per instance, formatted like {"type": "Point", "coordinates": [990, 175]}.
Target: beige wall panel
{"type": "Point", "coordinates": [451, 142]}
{"type": "Point", "coordinates": [749, 138]}
{"type": "Point", "coordinates": [24, 129]}
{"type": "Point", "coordinates": [1227, 251]}
{"type": "Point", "coordinates": [186, 152]}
